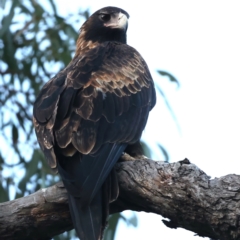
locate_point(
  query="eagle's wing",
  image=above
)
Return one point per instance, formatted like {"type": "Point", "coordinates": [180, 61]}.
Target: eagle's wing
{"type": "Point", "coordinates": [87, 114]}
{"type": "Point", "coordinates": [103, 96]}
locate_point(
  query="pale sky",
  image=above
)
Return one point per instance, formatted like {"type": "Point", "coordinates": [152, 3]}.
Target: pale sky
{"type": "Point", "coordinates": [198, 42]}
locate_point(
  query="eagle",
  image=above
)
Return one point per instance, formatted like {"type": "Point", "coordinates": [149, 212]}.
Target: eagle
{"type": "Point", "coordinates": [88, 115]}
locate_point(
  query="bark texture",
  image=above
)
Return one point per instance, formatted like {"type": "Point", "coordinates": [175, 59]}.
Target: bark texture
{"type": "Point", "coordinates": [178, 191]}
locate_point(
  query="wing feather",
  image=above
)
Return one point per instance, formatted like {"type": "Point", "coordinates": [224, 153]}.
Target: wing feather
{"type": "Point", "coordinates": [85, 138]}
{"type": "Point", "coordinates": [102, 96]}
{"type": "Point", "coordinates": [109, 107]}
{"type": "Point", "coordinates": [98, 107]}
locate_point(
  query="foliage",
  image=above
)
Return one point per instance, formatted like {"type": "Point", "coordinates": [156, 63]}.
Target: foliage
{"type": "Point", "coordinates": [35, 43]}
{"type": "Point", "coordinates": [113, 222]}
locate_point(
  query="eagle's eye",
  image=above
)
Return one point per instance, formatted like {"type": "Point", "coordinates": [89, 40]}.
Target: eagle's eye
{"type": "Point", "coordinates": [105, 17]}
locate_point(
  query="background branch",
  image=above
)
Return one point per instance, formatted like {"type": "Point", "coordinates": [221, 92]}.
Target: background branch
{"type": "Point", "coordinates": [178, 191]}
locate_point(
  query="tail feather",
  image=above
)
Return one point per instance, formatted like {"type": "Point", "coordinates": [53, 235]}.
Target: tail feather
{"type": "Point", "coordinates": [92, 184]}
{"type": "Point", "coordinates": [110, 191]}
{"type": "Point", "coordinates": [90, 221]}
{"type": "Point", "coordinates": [87, 220]}
{"type": "Point", "coordinates": [99, 174]}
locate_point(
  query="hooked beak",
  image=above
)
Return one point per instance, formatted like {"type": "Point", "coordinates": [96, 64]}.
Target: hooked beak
{"type": "Point", "coordinates": [119, 20]}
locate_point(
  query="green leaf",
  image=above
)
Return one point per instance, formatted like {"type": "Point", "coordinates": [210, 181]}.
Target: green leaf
{"type": "Point", "coordinates": [113, 222]}
{"type": "Point", "coordinates": [168, 106]}
{"type": "Point", "coordinates": [14, 134]}
{"type": "Point", "coordinates": [112, 226]}
{"type": "Point", "coordinates": [2, 3]}
{"type": "Point", "coordinates": [133, 221]}
{"type": "Point", "coordinates": [24, 9]}
{"type": "Point", "coordinates": [53, 7]}
{"type": "Point", "coordinates": [7, 20]}
{"type": "Point", "coordinates": [1, 162]}
{"type": "Point", "coordinates": [170, 76]}
{"type": "Point", "coordinates": [146, 149]}
{"type": "Point", "coordinates": [31, 169]}
{"type": "Point", "coordinates": [164, 152]}
{"type": "Point", "coordinates": [3, 194]}
{"type": "Point", "coordinates": [20, 120]}
{"type": "Point", "coordinates": [9, 52]}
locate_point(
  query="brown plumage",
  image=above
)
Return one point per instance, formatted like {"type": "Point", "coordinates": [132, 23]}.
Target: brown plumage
{"type": "Point", "coordinates": [88, 113]}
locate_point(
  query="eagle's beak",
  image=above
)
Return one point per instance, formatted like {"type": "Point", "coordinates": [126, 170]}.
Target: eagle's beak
{"type": "Point", "coordinates": [119, 20]}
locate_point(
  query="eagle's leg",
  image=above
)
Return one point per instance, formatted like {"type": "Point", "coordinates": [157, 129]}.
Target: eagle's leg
{"type": "Point", "coordinates": [133, 152]}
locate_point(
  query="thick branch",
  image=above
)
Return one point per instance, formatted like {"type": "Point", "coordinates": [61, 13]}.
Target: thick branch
{"type": "Point", "coordinates": [178, 191]}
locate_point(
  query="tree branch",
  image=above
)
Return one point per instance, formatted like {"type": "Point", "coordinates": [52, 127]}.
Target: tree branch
{"type": "Point", "coordinates": [178, 191]}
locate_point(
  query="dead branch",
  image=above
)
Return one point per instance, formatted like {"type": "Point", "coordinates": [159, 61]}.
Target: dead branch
{"type": "Point", "coordinates": [178, 191]}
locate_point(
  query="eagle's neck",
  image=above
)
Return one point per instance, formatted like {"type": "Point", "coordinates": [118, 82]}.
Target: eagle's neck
{"type": "Point", "coordinates": [87, 41]}
{"type": "Point", "coordinates": [84, 46]}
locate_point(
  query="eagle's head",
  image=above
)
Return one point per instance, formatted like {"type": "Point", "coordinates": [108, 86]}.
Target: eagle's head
{"type": "Point", "coordinates": [106, 24]}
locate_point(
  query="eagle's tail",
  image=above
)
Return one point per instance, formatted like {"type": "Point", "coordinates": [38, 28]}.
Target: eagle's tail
{"type": "Point", "coordinates": [91, 184]}
{"type": "Point", "coordinates": [90, 221]}
{"type": "Point", "coordinates": [87, 220]}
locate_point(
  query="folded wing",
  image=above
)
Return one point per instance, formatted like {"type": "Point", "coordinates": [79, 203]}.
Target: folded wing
{"type": "Point", "coordinates": [86, 116]}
